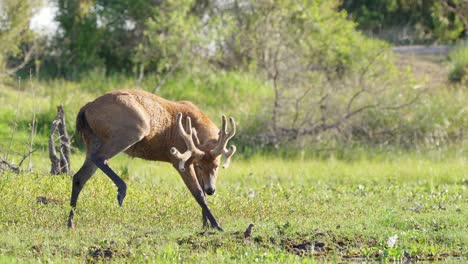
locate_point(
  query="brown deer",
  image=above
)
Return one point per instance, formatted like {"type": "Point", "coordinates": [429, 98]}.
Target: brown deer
{"type": "Point", "coordinates": [147, 126]}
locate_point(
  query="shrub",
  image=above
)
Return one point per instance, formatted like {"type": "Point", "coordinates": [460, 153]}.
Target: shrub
{"type": "Point", "coordinates": [459, 64]}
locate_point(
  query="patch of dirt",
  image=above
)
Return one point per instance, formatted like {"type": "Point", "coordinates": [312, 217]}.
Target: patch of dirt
{"type": "Point", "coordinates": [104, 252]}
{"type": "Point", "coordinates": [37, 249]}
{"type": "Point", "coordinates": [320, 244]}
{"type": "Point", "coordinates": [316, 248]}
{"type": "Point", "coordinates": [45, 200]}
{"type": "Point", "coordinates": [101, 253]}
{"type": "Point", "coordinates": [428, 70]}
{"type": "Point", "coordinates": [203, 240]}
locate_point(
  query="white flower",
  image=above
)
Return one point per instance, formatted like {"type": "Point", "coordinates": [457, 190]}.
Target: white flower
{"type": "Point", "coordinates": [392, 241]}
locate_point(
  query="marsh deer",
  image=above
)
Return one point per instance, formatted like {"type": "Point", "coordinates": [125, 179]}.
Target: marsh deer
{"type": "Point", "coordinates": [147, 126]}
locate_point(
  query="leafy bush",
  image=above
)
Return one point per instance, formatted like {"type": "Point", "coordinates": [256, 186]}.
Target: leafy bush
{"type": "Point", "coordinates": [14, 33]}
{"type": "Point", "coordinates": [323, 73]}
{"type": "Point", "coordinates": [435, 121]}
{"type": "Point", "coordinates": [459, 64]}
{"type": "Point", "coordinates": [409, 21]}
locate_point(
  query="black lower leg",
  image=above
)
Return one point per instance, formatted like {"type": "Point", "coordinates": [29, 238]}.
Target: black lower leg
{"type": "Point", "coordinates": [193, 185]}
{"type": "Point", "coordinates": [70, 219]}
{"type": "Point", "coordinates": [79, 180]}
{"type": "Point", "coordinates": [206, 213]}
{"type": "Point", "coordinates": [121, 185]}
{"type": "Point", "coordinates": [209, 218]}
{"type": "Point", "coordinates": [206, 223]}
{"type": "Point", "coordinates": [75, 192]}
{"type": "Point", "coordinates": [213, 221]}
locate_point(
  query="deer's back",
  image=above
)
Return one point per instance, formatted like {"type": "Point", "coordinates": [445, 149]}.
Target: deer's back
{"type": "Point", "coordinates": [114, 114]}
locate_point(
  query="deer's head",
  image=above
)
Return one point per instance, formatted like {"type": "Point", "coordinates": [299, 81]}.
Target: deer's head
{"type": "Point", "coordinates": [206, 158]}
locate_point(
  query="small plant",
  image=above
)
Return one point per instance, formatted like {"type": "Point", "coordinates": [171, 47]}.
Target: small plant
{"type": "Point", "coordinates": [459, 64]}
{"type": "Point", "coordinates": [389, 250]}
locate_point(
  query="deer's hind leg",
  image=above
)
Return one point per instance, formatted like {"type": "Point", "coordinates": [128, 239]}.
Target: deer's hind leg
{"type": "Point", "coordinates": [98, 152]}
{"type": "Point", "coordinates": [109, 149]}
{"type": "Point", "coordinates": [79, 179]}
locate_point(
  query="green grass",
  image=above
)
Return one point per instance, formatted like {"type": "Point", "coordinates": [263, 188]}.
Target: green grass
{"type": "Point", "coordinates": [347, 209]}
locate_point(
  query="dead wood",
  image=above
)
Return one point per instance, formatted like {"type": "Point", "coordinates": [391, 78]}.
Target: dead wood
{"type": "Point", "coordinates": [59, 164]}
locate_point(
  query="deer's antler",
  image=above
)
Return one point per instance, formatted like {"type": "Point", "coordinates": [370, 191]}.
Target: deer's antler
{"type": "Point", "coordinates": [224, 138]}
{"type": "Point", "coordinates": [192, 150]}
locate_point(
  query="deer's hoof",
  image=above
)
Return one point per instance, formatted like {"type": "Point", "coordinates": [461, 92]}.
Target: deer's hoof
{"type": "Point", "coordinates": [121, 196]}
{"type": "Point", "coordinates": [70, 223]}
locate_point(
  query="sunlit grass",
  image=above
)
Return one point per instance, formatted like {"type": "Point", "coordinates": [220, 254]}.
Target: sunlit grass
{"type": "Point", "coordinates": [351, 207]}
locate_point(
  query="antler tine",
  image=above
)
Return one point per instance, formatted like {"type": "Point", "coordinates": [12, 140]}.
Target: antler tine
{"type": "Point", "coordinates": [180, 126]}
{"type": "Point", "coordinates": [224, 125]}
{"type": "Point", "coordinates": [195, 136]}
{"type": "Point", "coordinates": [228, 156]}
{"type": "Point", "coordinates": [224, 138]}
{"type": "Point", "coordinates": [233, 129]}
{"type": "Point", "coordinates": [192, 150]}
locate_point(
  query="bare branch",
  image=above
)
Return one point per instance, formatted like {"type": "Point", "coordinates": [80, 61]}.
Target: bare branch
{"type": "Point", "coordinates": [6, 165]}
{"type": "Point", "coordinates": [27, 58]}
{"type": "Point", "coordinates": [55, 161]}
{"type": "Point", "coordinates": [163, 80]}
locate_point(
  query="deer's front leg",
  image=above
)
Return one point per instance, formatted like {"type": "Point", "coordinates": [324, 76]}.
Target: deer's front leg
{"type": "Point", "coordinates": [206, 222]}
{"type": "Point", "coordinates": [191, 181]}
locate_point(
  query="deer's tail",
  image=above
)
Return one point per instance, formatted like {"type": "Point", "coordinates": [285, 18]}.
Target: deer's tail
{"type": "Point", "coordinates": [82, 126]}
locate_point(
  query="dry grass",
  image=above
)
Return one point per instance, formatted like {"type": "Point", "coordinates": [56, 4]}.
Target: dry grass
{"type": "Point", "coordinates": [428, 70]}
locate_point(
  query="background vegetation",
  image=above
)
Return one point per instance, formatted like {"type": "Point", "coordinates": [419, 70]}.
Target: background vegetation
{"type": "Point", "coordinates": [411, 22]}
{"type": "Point", "coordinates": [331, 123]}
{"type": "Point", "coordinates": [310, 77]}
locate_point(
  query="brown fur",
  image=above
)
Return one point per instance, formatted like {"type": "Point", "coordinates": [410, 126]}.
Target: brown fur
{"type": "Point", "coordinates": [153, 117]}
{"type": "Point", "coordinates": [144, 125]}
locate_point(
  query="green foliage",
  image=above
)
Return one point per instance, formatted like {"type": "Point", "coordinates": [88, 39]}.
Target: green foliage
{"type": "Point", "coordinates": [14, 30]}
{"type": "Point", "coordinates": [323, 72]}
{"type": "Point", "coordinates": [407, 21]}
{"type": "Point", "coordinates": [459, 64]}
{"type": "Point", "coordinates": [434, 121]}
{"type": "Point", "coordinates": [447, 20]}
{"type": "Point", "coordinates": [99, 35]}
{"type": "Point", "coordinates": [81, 37]}
{"type": "Point", "coordinates": [126, 36]}
{"type": "Point", "coordinates": [171, 36]}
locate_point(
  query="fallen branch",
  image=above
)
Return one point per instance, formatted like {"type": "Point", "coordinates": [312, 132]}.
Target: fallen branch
{"type": "Point", "coordinates": [27, 58]}
{"type": "Point", "coordinates": [6, 165]}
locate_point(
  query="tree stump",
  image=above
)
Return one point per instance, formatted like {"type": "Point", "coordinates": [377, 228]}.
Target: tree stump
{"type": "Point", "coordinates": [62, 164]}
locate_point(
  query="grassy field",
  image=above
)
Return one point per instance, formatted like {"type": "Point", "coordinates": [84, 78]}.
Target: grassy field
{"type": "Point", "coordinates": [302, 211]}
{"type": "Point", "coordinates": [359, 203]}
